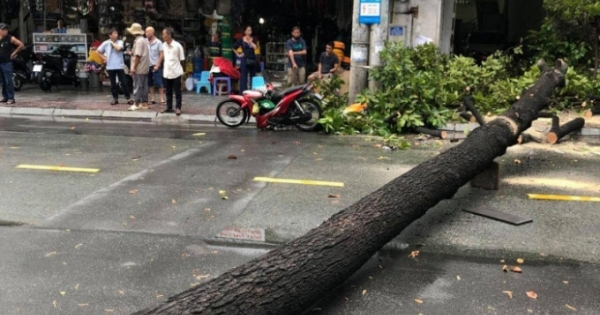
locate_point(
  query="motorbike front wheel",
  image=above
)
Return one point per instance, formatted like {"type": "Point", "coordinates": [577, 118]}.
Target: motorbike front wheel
{"type": "Point", "coordinates": [231, 114]}
{"type": "Point", "coordinates": [17, 83]}
{"type": "Point", "coordinates": [316, 112]}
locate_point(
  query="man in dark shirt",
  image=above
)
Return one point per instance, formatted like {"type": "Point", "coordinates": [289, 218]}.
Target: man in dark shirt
{"type": "Point", "coordinates": [328, 64]}
{"type": "Point", "coordinates": [7, 54]}
{"type": "Point", "coordinates": [296, 49]}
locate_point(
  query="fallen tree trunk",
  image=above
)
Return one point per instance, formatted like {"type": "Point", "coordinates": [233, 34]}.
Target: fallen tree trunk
{"type": "Point", "coordinates": [558, 132]}
{"type": "Point", "coordinates": [293, 277]}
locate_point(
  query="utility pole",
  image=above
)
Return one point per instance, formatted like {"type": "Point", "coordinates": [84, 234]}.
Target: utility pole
{"type": "Point", "coordinates": [379, 34]}
{"type": "Point", "coordinates": [359, 54]}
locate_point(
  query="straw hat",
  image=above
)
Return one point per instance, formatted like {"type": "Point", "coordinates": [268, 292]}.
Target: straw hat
{"type": "Point", "coordinates": [135, 29]}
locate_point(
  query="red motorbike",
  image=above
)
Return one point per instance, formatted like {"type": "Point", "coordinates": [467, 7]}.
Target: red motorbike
{"type": "Point", "coordinates": [296, 106]}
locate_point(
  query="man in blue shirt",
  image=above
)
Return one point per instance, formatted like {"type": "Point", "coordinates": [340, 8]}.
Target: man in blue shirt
{"type": "Point", "coordinates": [296, 49]}
{"type": "Point", "coordinates": [113, 49]}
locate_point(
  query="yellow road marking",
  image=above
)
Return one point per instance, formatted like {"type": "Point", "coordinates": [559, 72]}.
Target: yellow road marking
{"type": "Point", "coordinates": [297, 181]}
{"type": "Point", "coordinates": [563, 197]}
{"type": "Point", "coordinates": [58, 168]}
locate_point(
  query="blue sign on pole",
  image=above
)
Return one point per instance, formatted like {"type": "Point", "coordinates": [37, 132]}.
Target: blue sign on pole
{"type": "Point", "coordinates": [370, 12]}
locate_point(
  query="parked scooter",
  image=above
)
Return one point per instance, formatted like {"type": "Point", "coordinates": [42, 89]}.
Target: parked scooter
{"type": "Point", "coordinates": [276, 109]}
{"type": "Point", "coordinates": [58, 67]}
{"type": "Point", "coordinates": [22, 71]}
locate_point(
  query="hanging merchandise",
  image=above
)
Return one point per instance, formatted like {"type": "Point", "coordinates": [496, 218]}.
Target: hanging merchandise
{"type": "Point", "coordinates": [224, 7]}
{"type": "Point", "coordinates": [237, 12]}
{"type": "Point", "coordinates": [150, 6]}
{"type": "Point", "coordinates": [192, 5]}
{"type": "Point", "coordinates": [208, 7]}
{"type": "Point", "coordinates": [177, 7]}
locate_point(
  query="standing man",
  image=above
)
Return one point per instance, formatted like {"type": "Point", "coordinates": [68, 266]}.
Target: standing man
{"type": "Point", "coordinates": [296, 49]}
{"type": "Point", "coordinates": [328, 64]}
{"type": "Point", "coordinates": [155, 47]}
{"type": "Point", "coordinates": [113, 49]}
{"type": "Point", "coordinates": [7, 54]}
{"type": "Point", "coordinates": [172, 70]}
{"type": "Point", "coordinates": [140, 66]}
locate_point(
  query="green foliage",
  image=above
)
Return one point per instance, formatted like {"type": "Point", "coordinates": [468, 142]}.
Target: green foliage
{"type": "Point", "coordinates": [425, 88]}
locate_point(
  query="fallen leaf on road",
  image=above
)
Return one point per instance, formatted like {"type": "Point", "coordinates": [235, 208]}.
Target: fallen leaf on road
{"type": "Point", "coordinates": [54, 303]}
{"type": "Point", "coordinates": [132, 217]}
{"type": "Point", "coordinates": [50, 254]}
{"type": "Point", "coordinates": [517, 161]}
{"type": "Point", "coordinates": [566, 282]}
{"type": "Point", "coordinates": [173, 201]}
{"type": "Point", "coordinates": [333, 196]}
{"type": "Point", "coordinates": [78, 245]}
{"type": "Point", "coordinates": [505, 268]}
{"type": "Point", "coordinates": [72, 128]}
{"type": "Point", "coordinates": [136, 158]}
{"type": "Point", "coordinates": [319, 159]}
{"type": "Point", "coordinates": [571, 308]}
{"type": "Point", "coordinates": [419, 301]}
{"type": "Point", "coordinates": [502, 261]}
{"type": "Point", "coordinates": [516, 269]}
{"type": "Point", "coordinates": [15, 148]}
{"type": "Point", "coordinates": [383, 158]}
{"type": "Point", "coordinates": [414, 254]}
{"type": "Point", "coordinates": [199, 134]}
{"type": "Point", "coordinates": [83, 305]}
{"type": "Point", "coordinates": [133, 191]}
{"type": "Point", "coordinates": [458, 278]}
{"type": "Point", "coordinates": [77, 286]}
{"type": "Point", "coordinates": [121, 292]}
{"type": "Point", "coordinates": [510, 294]}
{"type": "Point", "coordinates": [242, 150]}
{"type": "Point", "coordinates": [223, 194]}
{"type": "Point", "coordinates": [232, 157]}
{"type": "Point", "coordinates": [63, 293]}
{"type": "Point", "coordinates": [529, 311]}
{"type": "Point", "coordinates": [173, 147]}
{"type": "Point", "coordinates": [378, 146]}
{"type": "Point", "coordinates": [364, 292]}
{"type": "Point", "coordinates": [198, 277]}
{"type": "Point", "coordinates": [532, 294]}
{"type": "Point", "coordinates": [207, 209]}
{"type": "Point", "coordinates": [298, 143]}
{"type": "Point", "coordinates": [108, 310]}
{"type": "Point", "coordinates": [520, 261]}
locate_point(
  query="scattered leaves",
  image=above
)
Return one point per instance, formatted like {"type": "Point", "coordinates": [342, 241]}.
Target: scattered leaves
{"type": "Point", "coordinates": [199, 134]}
{"type": "Point", "coordinates": [516, 269]}
{"type": "Point", "coordinates": [173, 201]}
{"type": "Point", "coordinates": [532, 295]}
{"type": "Point", "coordinates": [121, 292]}
{"type": "Point", "coordinates": [505, 268]}
{"type": "Point", "coordinates": [173, 147]}
{"type": "Point", "coordinates": [414, 254]}
{"type": "Point", "coordinates": [566, 282]}
{"type": "Point", "coordinates": [132, 217]}
{"type": "Point", "coordinates": [77, 286]}
{"type": "Point", "coordinates": [78, 245]}
{"type": "Point", "coordinates": [54, 303]}
{"type": "Point", "coordinates": [510, 293]}
{"type": "Point", "coordinates": [517, 161]}
{"type": "Point", "coordinates": [232, 157]}
{"type": "Point", "coordinates": [458, 278]}
{"type": "Point", "coordinates": [135, 158]}
{"type": "Point", "coordinates": [502, 261]}
{"type": "Point", "coordinates": [63, 293]}
{"type": "Point", "coordinates": [419, 301]}
{"type": "Point", "coordinates": [83, 305]}
{"type": "Point", "coordinates": [333, 196]}
{"type": "Point", "coordinates": [50, 254]}
{"type": "Point", "coordinates": [520, 261]}
{"type": "Point", "coordinates": [72, 128]}
{"type": "Point", "coordinates": [571, 308]}
{"type": "Point", "coordinates": [364, 292]}
{"type": "Point", "coordinates": [133, 191]}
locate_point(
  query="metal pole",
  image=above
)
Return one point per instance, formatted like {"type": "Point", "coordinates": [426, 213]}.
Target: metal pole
{"type": "Point", "coordinates": [22, 32]}
{"type": "Point", "coordinates": [359, 54]}
{"type": "Point", "coordinates": [379, 34]}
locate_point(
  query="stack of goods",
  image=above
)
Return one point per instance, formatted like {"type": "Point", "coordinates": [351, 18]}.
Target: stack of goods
{"type": "Point", "coordinates": [226, 38]}
{"type": "Point", "coordinates": [110, 15]}
{"type": "Point", "coordinates": [339, 50]}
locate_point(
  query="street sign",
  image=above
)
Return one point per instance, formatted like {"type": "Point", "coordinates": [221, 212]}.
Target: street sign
{"type": "Point", "coordinates": [396, 30]}
{"type": "Point", "coordinates": [370, 12]}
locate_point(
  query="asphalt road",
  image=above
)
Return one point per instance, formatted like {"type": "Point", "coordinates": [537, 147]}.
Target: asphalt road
{"type": "Point", "coordinates": [145, 226]}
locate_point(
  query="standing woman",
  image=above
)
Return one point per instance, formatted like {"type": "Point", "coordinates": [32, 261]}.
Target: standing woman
{"type": "Point", "coordinates": [248, 57]}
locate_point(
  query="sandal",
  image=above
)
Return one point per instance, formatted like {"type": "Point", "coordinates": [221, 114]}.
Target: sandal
{"type": "Point", "coordinates": [130, 102]}
{"type": "Point", "coordinates": [152, 103]}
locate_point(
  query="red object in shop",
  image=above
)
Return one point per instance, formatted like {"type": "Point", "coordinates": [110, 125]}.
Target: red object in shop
{"type": "Point", "coordinates": [227, 67]}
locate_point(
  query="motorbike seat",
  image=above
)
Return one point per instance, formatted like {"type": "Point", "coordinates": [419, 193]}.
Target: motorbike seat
{"type": "Point", "coordinates": [253, 94]}
{"type": "Point", "coordinates": [280, 94]}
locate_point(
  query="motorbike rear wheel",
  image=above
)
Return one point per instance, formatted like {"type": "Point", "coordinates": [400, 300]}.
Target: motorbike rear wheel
{"type": "Point", "coordinates": [231, 114]}
{"type": "Point", "coordinates": [315, 110]}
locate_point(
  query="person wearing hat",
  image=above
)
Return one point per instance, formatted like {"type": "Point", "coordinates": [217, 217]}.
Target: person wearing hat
{"type": "Point", "coordinates": [7, 54]}
{"type": "Point", "coordinates": [140, 67]}
{"type": "Point", "coordinates": [115, 65]}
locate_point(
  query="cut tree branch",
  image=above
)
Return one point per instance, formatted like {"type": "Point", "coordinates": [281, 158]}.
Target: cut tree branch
{"type": "Point", "coordinates": [558, 132]}
{"type": "Point", "coordinates": [432, 132]}
{"type": "Point", "coordinates": [469, 103]}
{"type": "Point", "coordinates": [593, 111]}
{"type": "Point", "coordinates": [294, 276]}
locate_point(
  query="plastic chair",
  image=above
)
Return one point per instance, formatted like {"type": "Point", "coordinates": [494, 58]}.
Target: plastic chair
{"type": "Point", "coordinates": [257, 82]}
{"type": "Point", "coordinates": [215, 87]}
{"type": "Point", "coordinates": [203, 81]}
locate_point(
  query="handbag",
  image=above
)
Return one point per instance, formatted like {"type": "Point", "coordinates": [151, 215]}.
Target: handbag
{"type": "Point", "coordinates": [251, 62]}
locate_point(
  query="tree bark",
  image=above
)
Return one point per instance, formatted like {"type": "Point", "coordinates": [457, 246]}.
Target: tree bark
{"type": "Point", "coordinates": [293, 277]}
{"type": "Point", "coordinates": [468, 117]}
{"type": "Point", "coordinates": [432, 132]}
{"type": "Point", "coordinates": [558, 132]}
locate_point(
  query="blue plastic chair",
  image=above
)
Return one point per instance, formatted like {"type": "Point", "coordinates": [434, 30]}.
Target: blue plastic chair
{"type": "Point", "coordinates": [258, 82]}
{"type": "Point", "coordinates": [202, 81]}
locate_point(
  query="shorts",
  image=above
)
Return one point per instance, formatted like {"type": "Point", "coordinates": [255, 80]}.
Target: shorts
{"type": "Point", "coordinates": [155, 79]}
{"type": "Point", "coordinates": [296, 76]}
